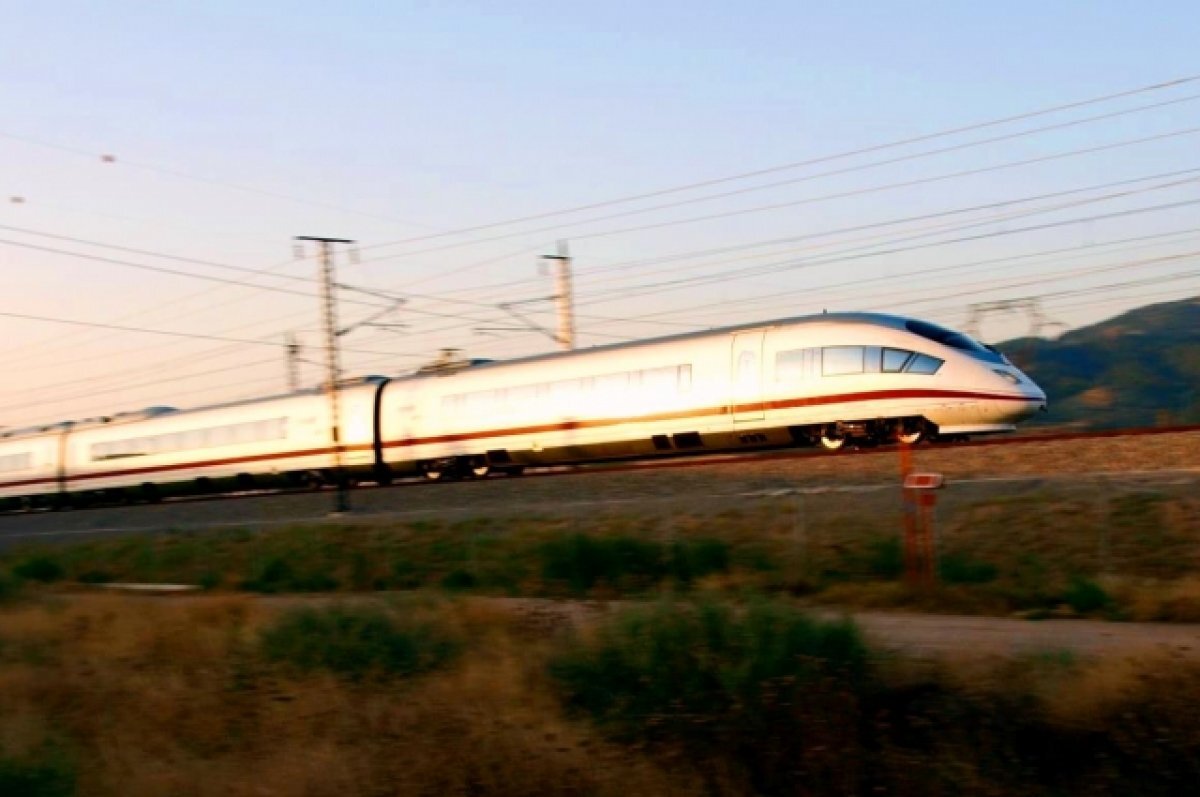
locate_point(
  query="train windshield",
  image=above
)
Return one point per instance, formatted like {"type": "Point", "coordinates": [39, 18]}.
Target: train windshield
{"type": "Point", "coordinates": [955, 340]}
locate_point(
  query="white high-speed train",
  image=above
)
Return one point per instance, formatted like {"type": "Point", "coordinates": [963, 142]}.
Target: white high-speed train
{"type": "Point", "coordinates": [816, 380]}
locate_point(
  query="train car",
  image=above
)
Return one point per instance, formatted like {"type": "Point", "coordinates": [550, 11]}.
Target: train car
{"type": "Point", "coordinates": [827, 379]}
{"type": "Point", "coordinates": [283, 440]}
{"type": "Point", "coordinates": [31, 463]}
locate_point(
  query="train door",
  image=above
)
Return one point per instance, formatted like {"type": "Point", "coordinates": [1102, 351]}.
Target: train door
{"type": "Point", "coordinates": [746, 401]}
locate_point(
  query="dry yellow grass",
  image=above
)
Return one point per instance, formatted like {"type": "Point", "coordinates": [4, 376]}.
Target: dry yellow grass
{"type": "Point", "coordinates": [154, 697]}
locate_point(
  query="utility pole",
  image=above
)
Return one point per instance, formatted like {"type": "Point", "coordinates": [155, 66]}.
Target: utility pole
{"type": "Point", "coordinates": [293, 362]}
{"type": "Point", "coordinates": [564, 302]}
{"type": "Point", "coordinates": [333, 369]}
{"type": "Point", "coordinates": [563, 298]}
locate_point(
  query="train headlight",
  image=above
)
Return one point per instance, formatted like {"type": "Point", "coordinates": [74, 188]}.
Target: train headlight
{"type": "Point", "coordinates": [1009, 375]}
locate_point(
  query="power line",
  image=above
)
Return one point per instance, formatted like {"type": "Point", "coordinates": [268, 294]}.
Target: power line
{"type": "Point", "coordinates": [637, 291]}
{"type": "Point", "coordinates": [207, 180]}
{"type": "Point", "coordinates": [802, 163]}
{"type": "Point", "coordinates": [789, 265]}
{"type": "Point", "coordinates": [586, 273]}
{"type": "Point", "coordinates": [164, 270]}
{"type": "Point", "coordinates": [165, 256]}
{"type": "Point", "coordinates": [125, 388]}
{"type": "Point", "coordinates": [583, 273]}
{"type": "Point", "coordinates": [145, 331]}
{"type": "Point", "coordinates": [821, 175]}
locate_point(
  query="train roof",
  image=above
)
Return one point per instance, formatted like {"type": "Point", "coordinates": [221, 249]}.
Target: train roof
{"type": "Point", "coordinates": [157, 412]}
{"type": "Point", "coordinates": [877, 319]}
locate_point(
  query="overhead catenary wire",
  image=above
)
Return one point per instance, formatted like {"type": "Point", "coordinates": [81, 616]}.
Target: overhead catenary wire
{"type": "Point", "coordinates": [678, 221]}
{"type": "Point", "coordinates": [630, 292]}
{"type": "Point", "coordinates": [821, 175]}
{"type": "Point", "coordinates": [1169, 84]}
{"type": "Point", "coordinates": [146, 331]}
{"type": "Point", "coordinates": [792, 264]}
{"type": "Point", "coordinates": [176, 173]}
{"type": "Point", "coordinates": [584, 274]}
{"type": "Point", "coordinates": [484, 305]}
{"type": "Point", "coordinates": [585, 277]}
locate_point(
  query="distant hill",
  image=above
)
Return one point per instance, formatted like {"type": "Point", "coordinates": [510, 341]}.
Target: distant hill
{"type": "Point", "coordinates": [1141, 368]}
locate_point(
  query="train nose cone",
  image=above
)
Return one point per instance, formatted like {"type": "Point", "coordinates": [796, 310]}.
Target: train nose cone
{"type": "Point", "coordinates": [1037, 400]}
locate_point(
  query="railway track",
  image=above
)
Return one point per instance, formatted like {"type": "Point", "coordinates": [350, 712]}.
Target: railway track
{"type": "Point", "coordinates": [985, 467]}
{"type": "Point", "coordinates": [689, 461]}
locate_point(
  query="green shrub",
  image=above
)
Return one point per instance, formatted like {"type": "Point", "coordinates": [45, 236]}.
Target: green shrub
{"type": "Point", "coordinates": [957, 568]}
{"type": "Point", "coordinates": [276, 574]}
{"type": "Point", "coordinates": [53, 776]}
{"type": "Point", "coordinates": [95, 577]}
{"type": "Point", "coordinates": [10, 588]}
{"type": "Point", "coordinates": [458, 580]}
{"type": "Point", "coordinates": [693, 559]}
{"type": "Point", "coordinates": [271, 575]}
{"type": "Point", "coordinates": [885, 558]}
{"type": "Point", "coordinates": [629, 563]}
{"type": "Point", "coordinates": [39, 568]}
{"type": "Point", "coordinates": [708, 672]}
{"type": "Point", "coordinates": [1086, 596]}
{"type": "Point", "coordinates": [356, 642]}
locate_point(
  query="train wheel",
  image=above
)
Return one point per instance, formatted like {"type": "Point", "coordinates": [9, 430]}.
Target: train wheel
{"type": "Point", "coordinates": [908, 434]}
{"type": "Point", "coordinates": [305, 480]}
{"type": "Point", "coordinates": [474, 467]}
{"type": "Point", "coordinates": [832, 442]}
{"type": "Point", "coordinates": [433, 471]}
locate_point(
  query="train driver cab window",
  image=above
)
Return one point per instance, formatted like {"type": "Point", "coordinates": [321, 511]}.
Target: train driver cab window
{"type": "Point", "coordinates": [894, 360]}
{"type": "Point", "coordinates": [923, 364]}
{"type": "Point", "coordinates": [842, 360]}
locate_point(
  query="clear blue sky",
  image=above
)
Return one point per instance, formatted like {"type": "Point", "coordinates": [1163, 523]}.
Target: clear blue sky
{"type": "Point", "coordinates": [384, 122]}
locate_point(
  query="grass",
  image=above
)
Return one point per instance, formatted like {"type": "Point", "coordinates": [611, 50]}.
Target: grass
{"type": "Point", "coordinates": [357, 642]}
{"type": "Point", "coordinates": [1059, 550]}
{"type": "Point", "coordinates": [105, 695]}
{"type": "Point", "coordinates": [184, 697]}
{"type": "Point", "coordinates": [707, 670]}
{"type": "Point", "coordinates": [48, 774]}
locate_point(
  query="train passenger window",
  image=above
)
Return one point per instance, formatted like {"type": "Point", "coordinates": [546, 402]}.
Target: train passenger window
{"type": "Point", "coordinates": [923, 364]}
{"type": "Point", "coordinates": [521, 396]}
{"type": "Point", "coordinates": [611, 384]}
{"type": "Point", "coordinates": [871, 359]}
{"type": "Point", "coordinates": [842, 360]}
{"type": "Point", "coordinates": [894, 360]}
{"type": "Point", "coordinates": [10, 463]}
{"type": "Point", "coordinates": [659, 381]}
